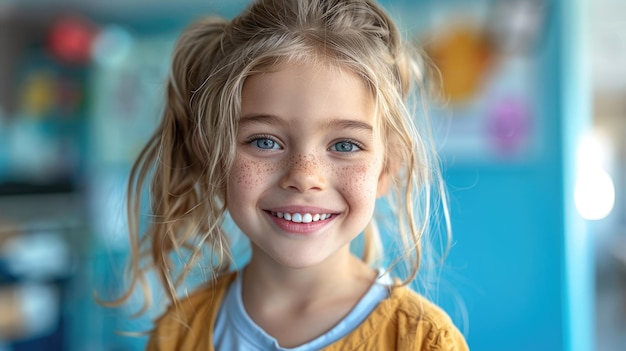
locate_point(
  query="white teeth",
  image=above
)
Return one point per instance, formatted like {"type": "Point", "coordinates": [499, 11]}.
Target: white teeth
{"type": "Point", "coordinates": [307, 218]}
{"type": "Point", "coordinates": [296, 218]}
{"type": "Point", "coordinates": [302, 218]}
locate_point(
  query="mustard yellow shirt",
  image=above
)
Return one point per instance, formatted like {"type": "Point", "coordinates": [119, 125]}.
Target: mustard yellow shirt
{"type": "Point", "coordinates": [403, 321]}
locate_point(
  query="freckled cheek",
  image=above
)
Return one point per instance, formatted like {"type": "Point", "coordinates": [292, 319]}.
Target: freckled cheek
{"type": "Point", "coordinates": [358, 182]}
{"type": "Point", "coordinates": [248, 174]}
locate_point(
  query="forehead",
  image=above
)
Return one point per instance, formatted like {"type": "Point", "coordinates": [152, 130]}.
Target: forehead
{"type": "Point", "coordinates": [305, 90]}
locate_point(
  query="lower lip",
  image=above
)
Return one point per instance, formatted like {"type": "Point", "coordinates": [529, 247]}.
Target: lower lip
{"type": "Point", "coordinates": [300, 228]}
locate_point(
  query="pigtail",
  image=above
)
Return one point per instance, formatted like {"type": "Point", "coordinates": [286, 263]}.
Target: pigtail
{"type": "Point", "coordinates": [420, 196]}
{"type": "Point", "coordinates": [187, 204]}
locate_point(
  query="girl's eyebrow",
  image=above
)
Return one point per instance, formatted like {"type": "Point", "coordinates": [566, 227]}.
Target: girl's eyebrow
{"type": "Point", "coordinates": [331, 123]}
{"type": "Point", "coordinates": [261, 118]}
{"type": "Point", "coordinates": [350, 124]}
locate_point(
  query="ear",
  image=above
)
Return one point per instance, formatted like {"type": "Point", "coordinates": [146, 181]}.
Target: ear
{"type": "Point", "coordinates": [383, 184]}
{"type": "Point", "coordinates": [387, 175]}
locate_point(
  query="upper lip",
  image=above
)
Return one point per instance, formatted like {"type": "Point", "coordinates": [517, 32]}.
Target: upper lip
{"type": "Point", "coordinates": [301, 209]}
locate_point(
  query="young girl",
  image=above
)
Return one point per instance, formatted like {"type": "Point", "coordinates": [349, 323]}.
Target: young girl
{"type": "Point", "coordinates": [293, 120]}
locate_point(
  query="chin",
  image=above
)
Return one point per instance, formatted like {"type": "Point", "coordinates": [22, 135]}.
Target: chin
{"type": "Point", "coordinates": [299, 262]}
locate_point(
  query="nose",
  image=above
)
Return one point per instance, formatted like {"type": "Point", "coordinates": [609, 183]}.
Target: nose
{"type": "Point", "coordinates": [303, 173]}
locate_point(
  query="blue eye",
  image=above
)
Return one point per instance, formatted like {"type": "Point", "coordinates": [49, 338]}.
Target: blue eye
{"type": "Point", "coordinates": [265, 143]}
{"type": "Point", "coordinates": [345, 146]}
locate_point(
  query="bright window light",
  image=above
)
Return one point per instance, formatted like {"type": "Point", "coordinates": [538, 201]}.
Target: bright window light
{"type": "Point", "coordinates": [594, 192]}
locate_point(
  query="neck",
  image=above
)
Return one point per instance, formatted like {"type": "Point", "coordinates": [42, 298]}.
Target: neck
{"type": "Point", "coordinates": [296, 305]}
{"type": "Point", "coordinates": [267, 282]}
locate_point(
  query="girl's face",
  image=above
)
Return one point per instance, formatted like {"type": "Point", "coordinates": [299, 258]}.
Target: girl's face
{"type": "Point", "coordinates": [309, 164]}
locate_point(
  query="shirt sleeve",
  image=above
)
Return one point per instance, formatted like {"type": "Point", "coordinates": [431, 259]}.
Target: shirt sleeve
{"type": "Point", "coordinates": [444, 338]}
{"type": "Point", "coordinates": [428, 329]}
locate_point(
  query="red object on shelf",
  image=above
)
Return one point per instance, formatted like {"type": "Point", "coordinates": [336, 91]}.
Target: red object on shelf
{"type": "Point", "coordinates": [70, 39]}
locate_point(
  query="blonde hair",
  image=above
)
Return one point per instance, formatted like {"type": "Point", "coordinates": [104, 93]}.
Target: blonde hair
{"type": "Point", "coordinates": [187, 160]}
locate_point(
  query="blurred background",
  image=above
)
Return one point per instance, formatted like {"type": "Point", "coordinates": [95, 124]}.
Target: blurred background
{"type": "Point", "coordinates": [533, 144]}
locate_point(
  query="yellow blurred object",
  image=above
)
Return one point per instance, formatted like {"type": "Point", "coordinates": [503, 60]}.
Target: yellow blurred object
{"type": "Point", "coordinates": [38, 94]}
{"type": "Point", "coordinates": [462, 54]}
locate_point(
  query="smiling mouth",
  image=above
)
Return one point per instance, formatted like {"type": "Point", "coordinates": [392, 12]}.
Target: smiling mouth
{"type": "Point", "coordinates": [301, 217]}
